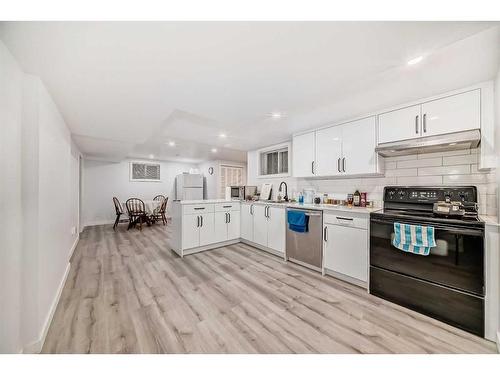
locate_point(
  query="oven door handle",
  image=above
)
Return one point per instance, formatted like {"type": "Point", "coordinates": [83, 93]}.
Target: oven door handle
{"type": "Point", "coordinates": [450, 229]}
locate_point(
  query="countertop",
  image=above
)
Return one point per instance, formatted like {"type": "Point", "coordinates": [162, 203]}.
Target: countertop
{"type": "Point", "coordinates": [322, 207]}
{"type": "Point", "coordinates": [206, 201]}
{"type": "Point", "coordinates": [489, 220]}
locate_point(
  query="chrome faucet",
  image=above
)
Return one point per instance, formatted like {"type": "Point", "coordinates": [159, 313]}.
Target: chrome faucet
{"type": "Point", "coordinates": [285, 198]}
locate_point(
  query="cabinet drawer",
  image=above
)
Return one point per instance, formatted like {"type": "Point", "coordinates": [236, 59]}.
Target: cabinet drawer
{"type": "Point", "coordinates": [189, 209]}
{"type": "Point", "coordinates": [227, 207]}
{"type": "Point", "coordinates": [346, 219]}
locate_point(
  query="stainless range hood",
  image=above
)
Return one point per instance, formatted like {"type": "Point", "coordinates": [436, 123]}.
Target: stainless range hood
{"type": "Point", "coordinates": [446, 142]}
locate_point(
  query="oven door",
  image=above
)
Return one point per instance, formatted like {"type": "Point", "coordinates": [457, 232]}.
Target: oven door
{"type": "Point", "coordinates": [456, 262]}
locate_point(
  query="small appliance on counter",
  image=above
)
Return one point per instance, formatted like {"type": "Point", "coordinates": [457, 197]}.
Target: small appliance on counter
{"type": "Point", "coordinates": [309, 196]}
{"type": "Point", "coordinates": [243, 192]}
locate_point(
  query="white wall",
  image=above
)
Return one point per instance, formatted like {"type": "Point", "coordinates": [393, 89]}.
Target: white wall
{"type": "Point", "coordinates": [11, 80]}
{"type": "Point", "coordinates": [37, 193]}
{"type": "Point", "coordinates": [212, 182]}
{"type": "Point", "coordinates": [103, 180]}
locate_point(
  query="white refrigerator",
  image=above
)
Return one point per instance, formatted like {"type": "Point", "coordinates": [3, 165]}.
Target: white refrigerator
{"type": "Point", "coordinates": [189, 187]}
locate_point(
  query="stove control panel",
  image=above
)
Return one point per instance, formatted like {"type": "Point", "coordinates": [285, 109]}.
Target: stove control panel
{"type": "Point", "coordinates": [429, 195]}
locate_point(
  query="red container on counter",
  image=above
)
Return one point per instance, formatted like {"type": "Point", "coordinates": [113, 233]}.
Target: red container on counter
{"type": "Point", "coordinates": [362, 202]}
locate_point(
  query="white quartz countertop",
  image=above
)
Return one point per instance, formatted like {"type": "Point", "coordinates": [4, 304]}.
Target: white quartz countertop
{"type": "Point", "coordinates": [322, 207]}
{"type": "Point", "coordinates": [206, 201]}
{"type": "Point", "coordinates": [489, 220]}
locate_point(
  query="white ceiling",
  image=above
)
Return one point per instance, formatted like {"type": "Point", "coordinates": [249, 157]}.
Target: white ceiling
{"type": "Point", "coordinates": [128, 88]}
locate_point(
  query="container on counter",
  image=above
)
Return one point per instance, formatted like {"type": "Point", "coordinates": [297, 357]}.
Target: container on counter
{"type": "Point", "coordinates": [356, 198]}
{"type": "Point", "coordinates": [350, 199]}
{"type": "Point", "coordinates": [309, 196]}
{"type": "Point", "coordinates": [362, 203]}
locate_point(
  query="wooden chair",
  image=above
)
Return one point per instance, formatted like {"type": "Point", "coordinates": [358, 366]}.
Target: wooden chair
{"type": "Point", "coordinates": [136, 212]}
{"type": "Point", "coordinates": [159, 213]}
{"type": "Point", "coordinates": [119, 211]}
{"type": "Point", "coordinates": [159, 197]}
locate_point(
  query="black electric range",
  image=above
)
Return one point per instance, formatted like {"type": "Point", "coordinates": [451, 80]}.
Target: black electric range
{"type": "Point", "coordinates": [447, 284]}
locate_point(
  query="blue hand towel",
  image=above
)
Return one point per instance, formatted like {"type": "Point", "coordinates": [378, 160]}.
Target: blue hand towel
{"type": "Point", "coordinates": [297, 221]}
{"type": "Point", "coordinates": [416, 239]}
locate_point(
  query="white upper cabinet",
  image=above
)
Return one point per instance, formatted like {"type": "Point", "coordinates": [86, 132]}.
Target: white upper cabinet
{"type": "Point", "coordinates": [358, 147]}
{"type": "Point", "coordinates": [328, 151]}
{"type": "Point", "coordinates": [452, 114]}
{"type": "Point", "coordinates": [303, 155]}
{"type": "Point", "coordinates": [399, 125]}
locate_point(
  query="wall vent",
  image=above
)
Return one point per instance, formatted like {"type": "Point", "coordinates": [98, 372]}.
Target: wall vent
{"type": "Point", "coordinates": [144, 172]}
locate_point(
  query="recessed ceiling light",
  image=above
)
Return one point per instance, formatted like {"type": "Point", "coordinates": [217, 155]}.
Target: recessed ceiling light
{"type": "Point", "coordinates": [171, 143]}
{"type": "Point", "coordinates": [222, 135]}
{"type": "Point", "coordinates": [276, 115]}
{"type": "Point", "coordinates": [151, 156]}
{"type": "Point", "coordinates": [416, 60]}
{"type": "Point", "coordinates": [214, 150]}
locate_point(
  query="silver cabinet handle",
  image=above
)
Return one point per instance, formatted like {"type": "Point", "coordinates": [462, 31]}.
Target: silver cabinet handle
{"type": "Point", "coordinates": [228, 217]}
{"type": "Point", "coordinates": [338, 165]}
{"type": "Point", "coordinates": [345, 218]}
{"type": "Point", "coordinates": [227, 206]}
{"type": "Point", "coordinates": [251, 209]}
{"type": "Point", "coordinates": [425, 122]}
{"type": "Point", "coordinates": [312, 167]}
{"type": "Point", "coordinates": [416, 124]}
{"type": "Point", "coordinates": [199, 208]}
{"type": "Point", "coordinates": [197, 221]}
{"type": "Point", "coordinates": [268, 212]}
{"type": "Point", "coordinates": [343, 164]}
{"type": "Point", "coordinates": [201, 224]}
{"type": "Point", "coordinates": [325, 234]}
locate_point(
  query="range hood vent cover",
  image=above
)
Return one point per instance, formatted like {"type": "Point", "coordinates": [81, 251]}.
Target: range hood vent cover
{"type": "Point", "coordinates": [446, 142]}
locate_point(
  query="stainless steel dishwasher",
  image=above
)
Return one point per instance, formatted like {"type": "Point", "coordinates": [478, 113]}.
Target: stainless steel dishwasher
{"type": "Point", "coordinates": [306, 248]}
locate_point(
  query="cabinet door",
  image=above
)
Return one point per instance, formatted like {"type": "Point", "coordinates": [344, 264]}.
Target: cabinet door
{"type": "Point", "coordinates": [303, 155]}
{"type": "Point", "coordinates": [358, 146]}
{"type": "Point", "coordinates": [220, 226]}
{"type": "Point", "coordinates": [207, 230]}
{"type": "Point", "coordinates": [346, 251]}
{"type": "Point", "coordinates": [190, 231]}
{"type": "Point", "coordinates": [399, 125]}
{"type": "Point", "coordinates": [259, 224]}
{"type": "Point", "coordinates": [276, 235]}
{"type": "Point", "coordinates": [452, 114]}
{"type": "Point", "coordinates": [233, 226]}
{"type": "Point", "coordinates": [246, 220]}
{"type": "Point", "coordinates": [328, 151]}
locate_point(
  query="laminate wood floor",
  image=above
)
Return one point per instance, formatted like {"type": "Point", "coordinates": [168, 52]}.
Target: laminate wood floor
{"type": "Point", "coordinates": [127, 292]}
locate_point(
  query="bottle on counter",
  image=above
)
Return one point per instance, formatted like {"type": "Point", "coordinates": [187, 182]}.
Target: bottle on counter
{"type": "Point", "coordinates": [349, 200]}
{"type": "Point", "coordinates": [356, 198]}
{"type": "Point", "coordinates": [363, 200]}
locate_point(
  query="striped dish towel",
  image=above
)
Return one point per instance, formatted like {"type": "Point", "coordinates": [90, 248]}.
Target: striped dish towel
{"type": "Point", "coordinates": [416, 239]}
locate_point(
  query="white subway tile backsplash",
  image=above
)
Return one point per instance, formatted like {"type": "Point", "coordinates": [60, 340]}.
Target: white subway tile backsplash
{"type": "Point", "coordinates": [436, 171]}
{"type": "Point", "coordinates": [462, 159]}
{"type": "Point", "coordinates": [420, 180]}
{"type": "Point", "coordinates": [443, 153]}
{"type": "Point", "coordinates": [438, 168]}
{"type": "Point", "coordinates": [401, 172]}
{"type": "Point", "coordinates": [431, 162]}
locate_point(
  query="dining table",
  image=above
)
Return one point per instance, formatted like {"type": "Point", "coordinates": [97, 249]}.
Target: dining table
{"type": "Point", "coordinates": [150, 206]}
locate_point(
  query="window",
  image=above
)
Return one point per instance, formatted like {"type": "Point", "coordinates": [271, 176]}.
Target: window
{"type": "Point", "coordinates": [274, 162]}
{"type": "Point", "coordinates": [230, 176]}
{"type": "Point", "coordinates": [144, 172]}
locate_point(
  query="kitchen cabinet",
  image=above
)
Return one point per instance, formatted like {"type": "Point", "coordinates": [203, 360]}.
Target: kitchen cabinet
{"type": "Point", "coordinates": [358, 147]}
{"type": "Point", "coordinates": [226, 225]}
{"type": "Point", "coordinates": [399, 125]}
{"type": "Point", "coordinates": [246, 221]}
{"type": "Point", "coordinates": [303, 150]}
{"type": "Point", "coordinates": [452, 114]}
{"type": "Point", "coordinates": [329, 151]}
{"type": "Point", "coordinates": [260, 224]}
{"type": "Point", "coordinates": [345, 246]}
{"type": "Point", "coordinates": [233, 225]}
{"type": "Point", "coordinates": [190, 231]}
{"type": "Point", "coordinates": [207, 229]}
{"type": "Point", "coordinates": [276, 229]}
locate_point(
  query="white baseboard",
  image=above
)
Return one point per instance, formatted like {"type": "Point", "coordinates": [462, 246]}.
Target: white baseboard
{"type": "Point", "coordinates": [98, 222]}
{"type": "Point", "coordinates": [77, 239]}
{"type": "Point", "coordinates": [498, 341]}
{"type": "Point", "coordinates": [36, 347]}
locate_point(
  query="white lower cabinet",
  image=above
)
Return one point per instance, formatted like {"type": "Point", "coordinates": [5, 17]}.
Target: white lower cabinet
{"type": "Point", "coordinates": [207, 230]}
{"type": "Point", "coordinates": [246, 221]}
{"type": "Point", "coordinates": [227, 225]}
{"type": "Point", "coordinates": [264, 225]}
{"type": "Point", "coordinates": [345, 246]}
{"type": "Point", "coordinates": [190, 231]}
{"type": "Point", "coordinates": [276, 229]}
